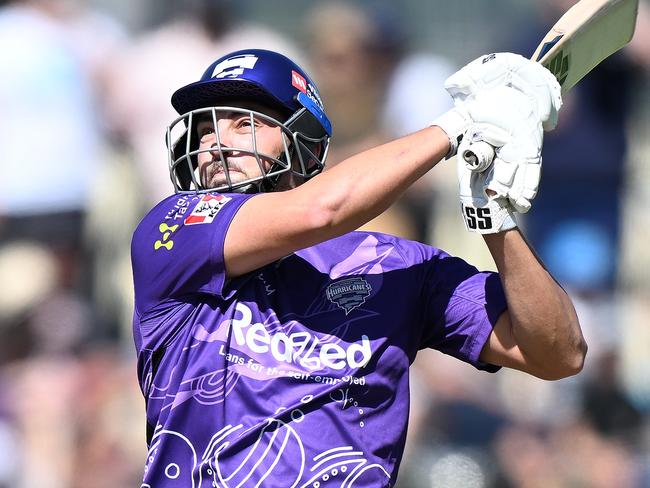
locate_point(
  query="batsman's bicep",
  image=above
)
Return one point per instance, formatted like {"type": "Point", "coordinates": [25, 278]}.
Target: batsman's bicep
{"type": "Point", "coordinates": [268, 227]}
{"type": "Point", "coordinates": [502, 349]}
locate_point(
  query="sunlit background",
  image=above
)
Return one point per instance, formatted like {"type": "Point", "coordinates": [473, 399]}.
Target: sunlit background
{"type": "Point", "coordinates": [84, 102]}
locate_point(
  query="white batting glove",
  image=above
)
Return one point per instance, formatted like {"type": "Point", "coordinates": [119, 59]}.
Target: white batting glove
{"type": "Point", "coordinates": [481, 212]}
{"type": "Point", "coordinates": [506, 119]}
{"type": "Point", "coordinates": [512, 70]}
{"type": "Point", "coordinates": [455, 123]}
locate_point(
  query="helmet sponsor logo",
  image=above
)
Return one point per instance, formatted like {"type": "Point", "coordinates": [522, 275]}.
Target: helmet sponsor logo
{"type": "Point", "coordinates": [348, 294]}
{"type": "Point", "coordinates": [313, 94]}
{"type": "Point", "coordinates": [235, 66]}
{"type": "Point", "coordinates": [299, 81]}
{"type": "Point", "coordinates": [207, 209]}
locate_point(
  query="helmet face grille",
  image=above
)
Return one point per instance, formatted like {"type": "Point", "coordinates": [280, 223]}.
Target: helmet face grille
{"type": "Point", "coordinates": [300, 155]}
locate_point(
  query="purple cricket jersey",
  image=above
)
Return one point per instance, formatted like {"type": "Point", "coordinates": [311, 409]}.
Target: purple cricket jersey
{"type": "Point", "coordinates": [296, 374]}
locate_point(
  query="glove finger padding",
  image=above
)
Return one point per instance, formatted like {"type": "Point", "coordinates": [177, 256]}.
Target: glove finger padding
{"type": "Point", "coordinates": [516, 170]}
{"type": "Point", "coordinates": [511, 70]}
{"type": "Point", "coordinates": [507, 120]}
{"type": "Point", "coordinates": [537, 81]}
{"type": "Point", "coordinates": [503, 110]}
{"type": "Point", "coordinates": [484, 73]}
{"type": "Point", "coordinates": [525, 186]}
{"type": "Point", "coordinates": [500, 177]}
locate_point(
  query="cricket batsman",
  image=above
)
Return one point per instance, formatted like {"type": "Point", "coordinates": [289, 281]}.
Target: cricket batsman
{"type": "Point", "coordinates": [274, 341]}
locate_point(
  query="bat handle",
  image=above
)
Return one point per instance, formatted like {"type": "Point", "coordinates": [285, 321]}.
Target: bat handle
{"type": "Point", "coordinates": [478, 156]}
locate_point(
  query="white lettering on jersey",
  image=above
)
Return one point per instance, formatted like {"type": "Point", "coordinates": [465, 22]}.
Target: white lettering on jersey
{"type": "Point", "coordinates": [300, 348]}
{"type": "Point", "coordinates": [235, 66]}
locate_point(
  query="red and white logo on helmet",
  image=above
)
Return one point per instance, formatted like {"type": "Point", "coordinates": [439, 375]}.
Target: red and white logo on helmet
{"type": "Point", "coordinates": [299, 81]}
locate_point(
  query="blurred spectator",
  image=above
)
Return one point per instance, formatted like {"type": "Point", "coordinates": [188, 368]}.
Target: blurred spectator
{"type": "Point", "coordinates": [574, 455]}
{"type": "Point", "coordinates": [375, 91]}
{"type": "Point", "coordinates": [575, 223]}
{"type": "Point", "coordinates": [78, 420]}
{"type": "Point", "coordinates": [414, 95]}
{"type": "Point", "coordinates": [353, 56]}
{"type": "Point", "coordinates": [52, 148]}
{"type": "Point", "coordinates": [51, 138]}
{"type": "Point", "coordinates": [70, 414]}
{"type": "Point", "coordinates": [606, 406]}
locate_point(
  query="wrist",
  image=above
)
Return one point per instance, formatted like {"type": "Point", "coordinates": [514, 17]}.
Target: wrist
{"type": "Point", "coordinates": [441, 140]}
{"type": "Point", "coordinates": [453, 123]}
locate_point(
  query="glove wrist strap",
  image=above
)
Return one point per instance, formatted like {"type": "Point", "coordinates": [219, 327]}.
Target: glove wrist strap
{"type": "Point", "coordinates": [454, 122]}
{"type": "Point", "coordinates": [488, 219]}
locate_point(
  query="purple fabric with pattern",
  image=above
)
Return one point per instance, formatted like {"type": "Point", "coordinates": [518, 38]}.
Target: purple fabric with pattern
{"type": "Point", "coordinates": [295, 375]}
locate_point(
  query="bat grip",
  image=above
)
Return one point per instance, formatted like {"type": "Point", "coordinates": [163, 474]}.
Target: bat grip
{"type": "Point", "coordinates": [478, 156]}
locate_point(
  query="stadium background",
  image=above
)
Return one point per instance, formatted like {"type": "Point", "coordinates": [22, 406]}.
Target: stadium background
{"type": "Point", "coordinates": [84, 87]}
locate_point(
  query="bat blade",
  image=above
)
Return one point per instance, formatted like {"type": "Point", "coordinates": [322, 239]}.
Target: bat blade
{"type": "Point", "coordinates": [585, 35]}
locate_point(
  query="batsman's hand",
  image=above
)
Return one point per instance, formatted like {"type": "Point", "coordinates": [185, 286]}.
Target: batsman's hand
{"type": "Point", "coordinates": [496, 71]}
{"type": "Point", "coordinates": [508, 120]}
{"type": "Point", "coordinates": [482, 212]}
{"type": "Point", "coordinates": [509, 70]}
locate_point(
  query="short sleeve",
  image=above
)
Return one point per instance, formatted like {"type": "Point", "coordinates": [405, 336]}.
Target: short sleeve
{"type": "Point", "coordinates": [459, 304]}
{"type": "Point", "coordinates": [178, 247]}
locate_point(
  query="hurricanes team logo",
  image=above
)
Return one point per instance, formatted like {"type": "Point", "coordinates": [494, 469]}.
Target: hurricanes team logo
{"type": "Point", "coordinates": [348, 294]}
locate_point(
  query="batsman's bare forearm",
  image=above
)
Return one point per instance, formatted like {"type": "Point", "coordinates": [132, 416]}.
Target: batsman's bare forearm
{"type": "Point", "coordinates": [544, 327]}
{"type": "Point", "coordinates": [335, 202]}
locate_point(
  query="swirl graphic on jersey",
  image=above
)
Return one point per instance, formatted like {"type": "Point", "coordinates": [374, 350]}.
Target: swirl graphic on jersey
{"type": "Point", "coordinates": [341, 466]}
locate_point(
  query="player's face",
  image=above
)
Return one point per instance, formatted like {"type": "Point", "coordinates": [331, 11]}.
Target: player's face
{"type": "Point", "coordinates": [236, 132]}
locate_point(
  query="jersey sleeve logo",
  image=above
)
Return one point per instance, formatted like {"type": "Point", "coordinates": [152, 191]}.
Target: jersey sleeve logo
{"type": "Point", "coordinates": [207, 209]}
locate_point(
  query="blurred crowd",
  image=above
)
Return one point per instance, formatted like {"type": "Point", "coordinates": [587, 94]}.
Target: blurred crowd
{"type": "Point", "coordinates": [85, 103]}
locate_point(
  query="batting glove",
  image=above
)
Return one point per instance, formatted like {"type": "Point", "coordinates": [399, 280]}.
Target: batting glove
{"type": "Point", "coordinates": [455, 123]}
{"type": "Point", "coordinates": [511, 70]}
{"type": "Point", "coordinates": [482, 213]}
{"type": "Point", "coordinates": [506, 119]}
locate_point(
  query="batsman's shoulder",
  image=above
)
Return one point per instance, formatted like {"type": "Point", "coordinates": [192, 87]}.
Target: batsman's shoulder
{"type": "Point", "coordinates": [410, 252]}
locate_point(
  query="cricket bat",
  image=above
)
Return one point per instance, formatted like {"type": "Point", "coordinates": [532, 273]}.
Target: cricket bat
{"type": "Point", "coordinates": [589, 32]}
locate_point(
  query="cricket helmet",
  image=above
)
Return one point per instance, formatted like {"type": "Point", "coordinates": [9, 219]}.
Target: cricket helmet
{"type": "Point", "coordinates": [267, 78]}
